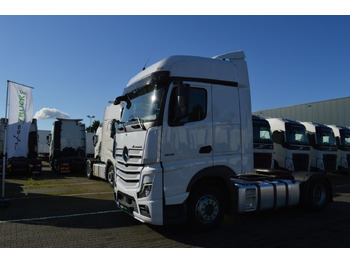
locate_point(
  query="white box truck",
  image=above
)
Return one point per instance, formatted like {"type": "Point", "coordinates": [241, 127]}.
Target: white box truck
{"type": "Point", "coordinates": [262, 144]}
{"type": "Point", "coordinates": [67, 145]}
{"type": "Point", "coordinates": [103, 163]}
{"type": "Point", "coordinates": [29, 164]}
{"type": "Point", "coordinates": [342, 136]}
{"type": "Point", "coordinates": [323, 150]}
{"type": "Point", "coordinates": [185, 147]}
{"type": "Point", "coordinates": [290, 144]}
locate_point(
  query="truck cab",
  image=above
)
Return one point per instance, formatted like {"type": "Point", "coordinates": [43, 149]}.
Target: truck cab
{"type": "Point", "coordinates": [342, 137]}
{"type": "Point", "coordinates": [291, 144]}
{"type": "Point", "coordinates": [103, 163]}
{"type": "Point", "coordinates": [323, 150]}
{"type": "Point", "coordinates": [263, 145]}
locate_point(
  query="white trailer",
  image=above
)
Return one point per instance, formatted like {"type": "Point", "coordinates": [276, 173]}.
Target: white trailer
{"type": "Point", "coordinates": [262, 144]}
{"type": "Point", "coordinates": [290, 144]}
{"type": "Point", "coordinates": [67, 142]}
{"type": "Point", "coordinates": [185, 147]}
{"type": "Point", "coordinates": [103, 163]}
{"type": "Point", "coordinates": [342, 136]}
{"type": "Point", "coordinates": [323, 150]}
{"type": "Point", "coordinates": [24, 164]}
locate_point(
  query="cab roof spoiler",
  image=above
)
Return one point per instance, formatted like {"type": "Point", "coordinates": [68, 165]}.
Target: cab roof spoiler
{"type": "Point", "coordinates": [231, 56]}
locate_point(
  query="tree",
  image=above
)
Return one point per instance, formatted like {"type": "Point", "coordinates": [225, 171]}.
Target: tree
{"type": "Point", "coordinates": [93, 127]}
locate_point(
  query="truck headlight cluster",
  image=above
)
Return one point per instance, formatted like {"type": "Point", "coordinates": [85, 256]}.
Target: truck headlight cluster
{"type": "Point", "coordinates": [145, 191]}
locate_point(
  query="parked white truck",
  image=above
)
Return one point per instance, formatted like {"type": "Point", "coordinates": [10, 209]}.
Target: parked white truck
{"type": "Point", "coordinates": [342, 136]}
{"type": "Point", "coordinates": [103, 163]}
{"type": "Point", "coordinates": [185, 147]}
{"type": "Point", "coordinates": [290, 144]}
{"type": "Point", "coordinates": [323, 150]}
{"type": "Point", "coordinates": [27, 164]}
{"type": "Point", "coordinates": [67, 145]}
{"type": "Point", "coordinates": [262, 144]}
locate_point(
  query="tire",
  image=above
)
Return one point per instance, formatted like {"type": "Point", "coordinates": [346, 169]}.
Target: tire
{"type": "Point", "coordinates": [206, 207]}
{"type": "Point", "coordinates": [110, 175]}
{"type": "Point", "coordinates": [318, 194]}
{"type": "Point", "coordinates": [89, 173]}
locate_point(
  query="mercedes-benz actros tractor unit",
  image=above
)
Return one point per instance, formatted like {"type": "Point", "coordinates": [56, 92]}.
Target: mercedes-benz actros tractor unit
{"type": "Point", "coordinates": [262, 143]}
{"type": "Point", "coordinates": [103, 163]}
{"type": "Point", "coordinates": [185, 147]}
{"type": "Point", "coordinates": [290, 144]}
{"type": "Point", "coordinates": [323, 149]}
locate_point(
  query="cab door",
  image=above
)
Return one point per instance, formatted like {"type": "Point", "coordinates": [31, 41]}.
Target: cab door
{"type": "Point", "coordinates": [187, 140]}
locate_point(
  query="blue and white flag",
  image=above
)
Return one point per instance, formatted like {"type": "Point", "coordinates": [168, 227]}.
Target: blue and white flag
{"type": "Point", "coordinates": [19, 119]}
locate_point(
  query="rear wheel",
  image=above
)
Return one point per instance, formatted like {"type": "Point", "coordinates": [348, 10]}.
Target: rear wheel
{"type": "Point", "coordinates": [206, 207]}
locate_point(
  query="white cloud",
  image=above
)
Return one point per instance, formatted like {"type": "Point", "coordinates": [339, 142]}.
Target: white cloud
{"type": "Point", "coordinates": [48, 113]}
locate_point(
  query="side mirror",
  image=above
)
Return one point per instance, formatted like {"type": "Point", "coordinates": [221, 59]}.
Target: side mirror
{"type": "Point", "coordinates": [278, 137]}
{"type": "Point", "coordinates": [113, 128]}
{"type": "Point", "coordinates": [95, 140]}
{"type": "Point", "coordinates": [181, 102]}
{"type": "Point", "coordinates": [48, 139]}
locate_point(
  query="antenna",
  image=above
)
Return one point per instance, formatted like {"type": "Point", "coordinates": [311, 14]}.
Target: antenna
{"type": "Point", "coordinates": [144, 67]}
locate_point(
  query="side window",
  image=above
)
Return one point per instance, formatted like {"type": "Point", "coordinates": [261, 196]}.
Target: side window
{"type": "Point", "coordinates": [197, 106]}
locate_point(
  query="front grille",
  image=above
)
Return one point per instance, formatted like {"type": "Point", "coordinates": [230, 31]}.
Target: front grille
{"type": "Point", "coordinates": [301, 162]}
{"type": "Point", "coordinates": [129, 172]}
{"type": "Point", "coordinates": [262, 160]}
{"type": "Point", "coordinates": [127, 203]}
{"type": "Point", "coordinates": [330, 162]}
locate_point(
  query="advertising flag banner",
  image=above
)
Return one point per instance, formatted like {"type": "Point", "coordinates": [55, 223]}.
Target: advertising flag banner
{"type": "Point", "coordinates": [19, 119]}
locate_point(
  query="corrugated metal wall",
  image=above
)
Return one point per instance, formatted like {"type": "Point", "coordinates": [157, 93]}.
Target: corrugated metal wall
{"type": "Point", "coordinates": [331, 112]}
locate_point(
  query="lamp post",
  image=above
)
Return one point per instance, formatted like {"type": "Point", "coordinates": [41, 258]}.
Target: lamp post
{"type": "Point", "coordinates": [90, 121]}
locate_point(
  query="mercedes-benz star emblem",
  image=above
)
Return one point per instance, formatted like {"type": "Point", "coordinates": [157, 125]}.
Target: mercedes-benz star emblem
{"type": "Point", "coordinates": [125, 154]}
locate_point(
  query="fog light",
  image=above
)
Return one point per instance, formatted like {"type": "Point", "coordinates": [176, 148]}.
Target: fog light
{"type": "Point", "coordinates": [145, 191]}
{"type": "Point", "coordinates": [144, 210]}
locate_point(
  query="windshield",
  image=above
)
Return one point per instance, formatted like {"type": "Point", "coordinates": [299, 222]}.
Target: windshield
{"type": "Point", "coordinates": [261, 133]}
{"type": "Point", "coordinates": [295, 134]}
{"type": "Point", "coordinates": [145, 104]}
{"type": "Point", "coordinates": [325, 136]}
{"type": "Point", "coordinates": [345, 138]}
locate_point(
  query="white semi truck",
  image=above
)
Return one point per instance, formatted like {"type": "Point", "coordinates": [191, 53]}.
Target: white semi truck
{"type": "Point", "coordinates": [67, 145]}
{"type": "Point", "coordinates": [26, 164]}
{"type": "Point", "coordinates": [342, 136]}
{"type": "Point", "coordinates": [185, 147]}
{"type": "Point", "coordinates": [103, 163]}
{"type": "Point", "coordinates": [323, 150]}
{"type": "Point", "coordinates": [262, 144]}
{"type": "Point", "coordinates": [290, 144]}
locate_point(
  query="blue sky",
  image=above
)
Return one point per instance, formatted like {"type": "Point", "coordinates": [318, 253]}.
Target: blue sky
{"type": "Point", "coordinates": [78, 63]}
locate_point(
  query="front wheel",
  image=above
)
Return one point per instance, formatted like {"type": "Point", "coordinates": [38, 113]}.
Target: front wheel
{"type": "Point", "coordinates": [318, 194]}
{"type": "Point", "coordinates": [206, 207]}
{"type": "Point", "coordinates": [110, 175]}
{"type": "Point", "coordinates": [89, 169]}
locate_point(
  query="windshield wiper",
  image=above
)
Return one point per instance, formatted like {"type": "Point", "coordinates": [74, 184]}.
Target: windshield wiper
{"type": "Point", "coordinates": [140, 121]}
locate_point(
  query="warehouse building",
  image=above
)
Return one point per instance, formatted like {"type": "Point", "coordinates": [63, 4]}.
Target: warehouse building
{"type": "Point", "coordinates": [330, 112]}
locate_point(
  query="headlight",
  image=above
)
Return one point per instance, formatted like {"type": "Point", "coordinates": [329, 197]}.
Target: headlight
{"type": "Point", "coordinates": [145, 191]}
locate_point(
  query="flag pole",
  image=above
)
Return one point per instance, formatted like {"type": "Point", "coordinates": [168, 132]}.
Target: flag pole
{"type": "Point", "coordinates": [3, 201]}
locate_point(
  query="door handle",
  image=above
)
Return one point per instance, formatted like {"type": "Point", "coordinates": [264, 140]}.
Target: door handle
{"type": "Point", "coordinates": [205, 150]}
